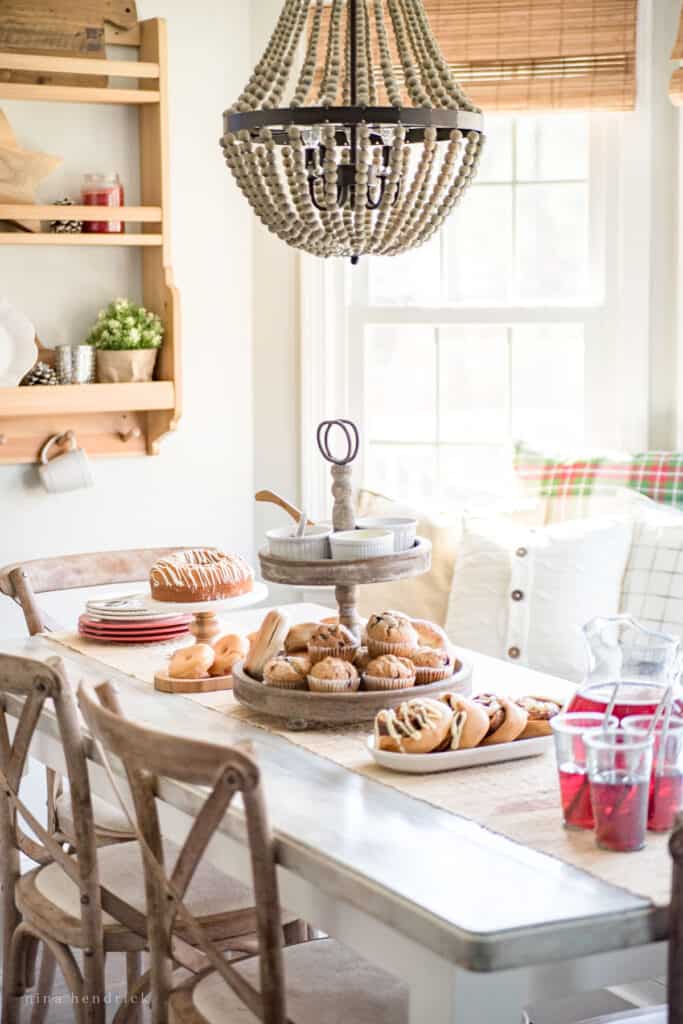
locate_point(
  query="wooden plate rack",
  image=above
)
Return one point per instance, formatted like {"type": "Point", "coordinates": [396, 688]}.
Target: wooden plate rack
{"type": "Point", "coordinates": [108, 419]}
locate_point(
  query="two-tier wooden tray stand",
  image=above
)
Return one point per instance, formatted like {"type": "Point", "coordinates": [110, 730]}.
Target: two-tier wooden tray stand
{"type": "Point", "coordinates": [108, 419]}
{"type": "Point", "coordinates": [301, 708]}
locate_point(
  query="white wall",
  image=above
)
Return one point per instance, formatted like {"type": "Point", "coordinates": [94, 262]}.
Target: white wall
{"type": "Point", "coordinates": [276, 349]}
{"type": "Point", "coordinates": [199, 490]}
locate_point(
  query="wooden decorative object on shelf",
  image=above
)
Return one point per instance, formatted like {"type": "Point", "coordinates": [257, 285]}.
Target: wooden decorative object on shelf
{"type": "Point", "coordinates": [74, 28]}
{"type": "Point", "coordinates": [110, 419]}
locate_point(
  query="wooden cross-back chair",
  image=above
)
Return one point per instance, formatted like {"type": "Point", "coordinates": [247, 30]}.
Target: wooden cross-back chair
{"type": "Point", "coordinates": [93, 901]}
{"type": "Point", "coordinates": [30, 916]}
{"type": "Point", "coordinates": [327, 981]}
{"type": "Point", "coordinates": [24, 582]}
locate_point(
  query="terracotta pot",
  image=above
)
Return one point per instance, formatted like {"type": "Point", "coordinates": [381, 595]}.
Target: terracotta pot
{"type": "Point", "coordinates": [121, 366]}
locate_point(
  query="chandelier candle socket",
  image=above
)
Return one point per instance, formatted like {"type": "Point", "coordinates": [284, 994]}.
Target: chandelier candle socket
{"type": "Point", "coordinates": [377, 142]}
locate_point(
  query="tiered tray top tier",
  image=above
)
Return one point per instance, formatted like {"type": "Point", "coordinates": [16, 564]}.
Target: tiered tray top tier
{"type": "Point", "coordinates": [329, 572]}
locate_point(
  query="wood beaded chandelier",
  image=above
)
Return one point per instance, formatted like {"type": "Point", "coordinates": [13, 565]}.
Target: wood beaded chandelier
{"type": "Point", "coordinates": [378, 141]}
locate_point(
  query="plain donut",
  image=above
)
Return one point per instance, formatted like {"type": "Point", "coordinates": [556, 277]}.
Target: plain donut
{"type": "Point", "coordinates": [191, 662]}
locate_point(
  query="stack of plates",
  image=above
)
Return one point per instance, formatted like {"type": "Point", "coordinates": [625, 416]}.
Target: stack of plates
{"type": "Point", "coordinates": [128, 620]}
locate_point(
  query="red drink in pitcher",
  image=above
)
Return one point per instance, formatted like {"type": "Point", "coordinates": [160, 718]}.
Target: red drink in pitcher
{"type": "Point", "coordinates": [575, 796]}
{"type": "Point", "coordinates": [632, 699]}
{"type": "Point", "coordinates": [620, 808]}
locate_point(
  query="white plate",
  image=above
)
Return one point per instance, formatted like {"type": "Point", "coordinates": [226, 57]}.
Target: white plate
{"type": "Point", "coordinates": [129, 608]}
{"type": "Point", "coordinates": [18, 350]}
{"type": "Point", "coordinates": [425, 764]}
{"type": "Point", "coordinates": [259, 593]}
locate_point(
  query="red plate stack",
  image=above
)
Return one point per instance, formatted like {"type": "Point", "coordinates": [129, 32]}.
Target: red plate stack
{"type": "Point", "coordinates": [127, 620]}
{"type": "Point", "coordinates": [153, 631]}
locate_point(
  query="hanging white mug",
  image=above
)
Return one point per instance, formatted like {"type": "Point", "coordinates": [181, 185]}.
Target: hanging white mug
{"type": "Point", "coordinates": [67, 472]}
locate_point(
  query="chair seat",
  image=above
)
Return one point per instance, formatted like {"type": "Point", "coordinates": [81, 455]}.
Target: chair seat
{"type": "Point", "coordinates": [325, 983]}
{"type": "Point", "coordinates": [110, 821]}
{"type": "Point", "coordinates": [224, 905]}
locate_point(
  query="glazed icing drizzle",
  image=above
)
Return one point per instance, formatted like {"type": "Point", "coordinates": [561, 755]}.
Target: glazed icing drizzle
{"type": "Point", "coordinates": [409, 720]}
{"type": "Point", "coordinates": [203, 567]}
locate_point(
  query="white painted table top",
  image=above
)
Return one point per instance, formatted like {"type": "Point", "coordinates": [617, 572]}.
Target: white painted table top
{"type": "Point", "coordinates": [473, 897]}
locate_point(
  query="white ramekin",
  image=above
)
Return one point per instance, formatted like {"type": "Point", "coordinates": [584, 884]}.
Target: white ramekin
{"type": "Point", "coordinates": [350, 545]}
{"type": "Point", "coordinates": [403, 528]}
{"type": "Point", "coordinates": [312, 547]}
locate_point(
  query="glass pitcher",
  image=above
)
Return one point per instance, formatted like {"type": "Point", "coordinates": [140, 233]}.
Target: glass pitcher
{"type": "Point", "coordinates": [643, 662]}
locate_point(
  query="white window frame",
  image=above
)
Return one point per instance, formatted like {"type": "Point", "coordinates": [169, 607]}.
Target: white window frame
{"type": "Point", "coordinates": [624, 184]}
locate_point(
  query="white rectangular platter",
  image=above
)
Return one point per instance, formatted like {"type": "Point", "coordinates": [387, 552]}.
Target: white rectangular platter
{"type": "Point", "coordinates": [449, 760]}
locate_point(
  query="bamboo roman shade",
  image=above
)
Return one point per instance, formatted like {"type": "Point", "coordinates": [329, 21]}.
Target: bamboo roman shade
{"type": "Point", "coordinates": [676, 86]}
{"type": "Point", "coordinates": [540, 54]}
{"type": "Point", "coordinates": [533, 54]}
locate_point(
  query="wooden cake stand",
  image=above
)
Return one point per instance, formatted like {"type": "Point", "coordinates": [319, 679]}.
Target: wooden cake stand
{"type": "Point", "coordinates": [205, 627]}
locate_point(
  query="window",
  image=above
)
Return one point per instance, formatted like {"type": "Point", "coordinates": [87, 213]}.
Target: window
{"type": "Point", "coordinates": [482, 336]}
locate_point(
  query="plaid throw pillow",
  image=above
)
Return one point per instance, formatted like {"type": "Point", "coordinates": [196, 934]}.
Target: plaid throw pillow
{"type": "Point", "coordinates": [658, 475]}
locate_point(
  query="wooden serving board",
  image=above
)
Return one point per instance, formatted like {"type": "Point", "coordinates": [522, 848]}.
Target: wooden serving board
{"type": "Point", "coordinates": [303, 709]}
{"type": "Point", "coordinates": [70, 28]}
{"type": "Point", "coordinates": [209, 684]}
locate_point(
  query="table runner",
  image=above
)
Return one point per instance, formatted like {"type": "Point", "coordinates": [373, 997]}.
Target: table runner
{"type": "Point", "coordinates": [518, 799]}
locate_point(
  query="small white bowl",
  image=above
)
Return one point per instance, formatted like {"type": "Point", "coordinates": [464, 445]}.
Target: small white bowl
{"type": "Point", "coordinates": [403, 528]}
{"type": "Point", "coordinates": [312, 547]}
{"type": "Point", "coordinates": [349, 545]}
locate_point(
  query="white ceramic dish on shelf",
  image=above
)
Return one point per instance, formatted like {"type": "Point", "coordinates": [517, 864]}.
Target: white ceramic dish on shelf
{"type": "Point", "coordinates": [351, 545]}
{"type": "Point", "coordinates": [426, 764]}
{"type": "Point", "coordinates": [403, 529]}
{"type": "Point", "coordinates": [18, 350]}
{"type": "Point", "coordinates": [312, 547]}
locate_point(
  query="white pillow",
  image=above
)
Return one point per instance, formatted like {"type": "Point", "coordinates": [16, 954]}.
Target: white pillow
{"type": "Point", "coordinates": [524, 595]}
{"type": "Point", "coordinates": [652, 591]}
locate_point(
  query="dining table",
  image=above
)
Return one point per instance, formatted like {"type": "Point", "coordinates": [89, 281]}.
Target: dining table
{"type": "Point", "coordinates": [464, 885]}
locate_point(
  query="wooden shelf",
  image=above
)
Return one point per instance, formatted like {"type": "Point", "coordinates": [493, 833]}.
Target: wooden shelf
{"type": "Point", "coordinates": [107, 419]}
{"type": "Point", "coordinates": [77, 94]}
{"type": "Point", "coordinates": [47, 238]}
{"type": "Point", "coordinates": [48, 400]}
{"type": "Point", "coordinates": [26, 211]}
{"type": "Point", "coordinates": [78, 65]}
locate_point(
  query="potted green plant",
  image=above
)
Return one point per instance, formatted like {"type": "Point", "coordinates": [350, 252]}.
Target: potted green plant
{"type": "Point", "coordinates": [127, 338]}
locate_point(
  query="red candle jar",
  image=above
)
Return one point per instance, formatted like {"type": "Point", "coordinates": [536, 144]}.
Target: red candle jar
{"type": "Point", "coordinates": [102, 190]}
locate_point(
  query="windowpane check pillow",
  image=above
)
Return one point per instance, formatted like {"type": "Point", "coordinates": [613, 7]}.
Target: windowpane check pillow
{"type": "Point", "coordinates": [652, 590]}
{"type": "Point", "coordinates": [573, 481]}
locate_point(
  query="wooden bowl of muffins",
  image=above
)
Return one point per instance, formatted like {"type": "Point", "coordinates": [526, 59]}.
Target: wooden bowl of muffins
{"type": "Point", "coordinates": [317, 673]}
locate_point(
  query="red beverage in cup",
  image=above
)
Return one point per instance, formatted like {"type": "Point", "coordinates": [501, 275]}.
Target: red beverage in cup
{"type": "Point", "coordinates": [666, 796]}
{"type": "Point", "coordinates": [575, 796]}
{"type": "Point", "coordinates": [620, 806]}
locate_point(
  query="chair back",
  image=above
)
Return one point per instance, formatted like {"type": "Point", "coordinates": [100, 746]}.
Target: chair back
{"type": "Point", "coordinates": [26, 687]}
{"type": "Point", "coordinates": [675, 972]}
{"type": "Point", "coordinates": [23, 581]}
{"type": "Point", "coordinates": [146, 756]}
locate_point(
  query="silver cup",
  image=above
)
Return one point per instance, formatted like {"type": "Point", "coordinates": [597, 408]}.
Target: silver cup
{"type": "Point", "coordinates": [76, 364]}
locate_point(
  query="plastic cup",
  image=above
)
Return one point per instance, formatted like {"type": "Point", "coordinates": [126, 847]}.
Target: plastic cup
{"type": "Point", "coordinates": [666, 781]}
{"type": "Point", "coordinates": [569, 729]}
{"type": "Point", "coordinates": [619, 768]}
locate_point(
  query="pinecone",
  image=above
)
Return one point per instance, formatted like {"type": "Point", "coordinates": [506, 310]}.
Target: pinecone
{"type": "Point", "coordinates": [40, 374]}
{"type": "Point", "coordinates": [70, 227]}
